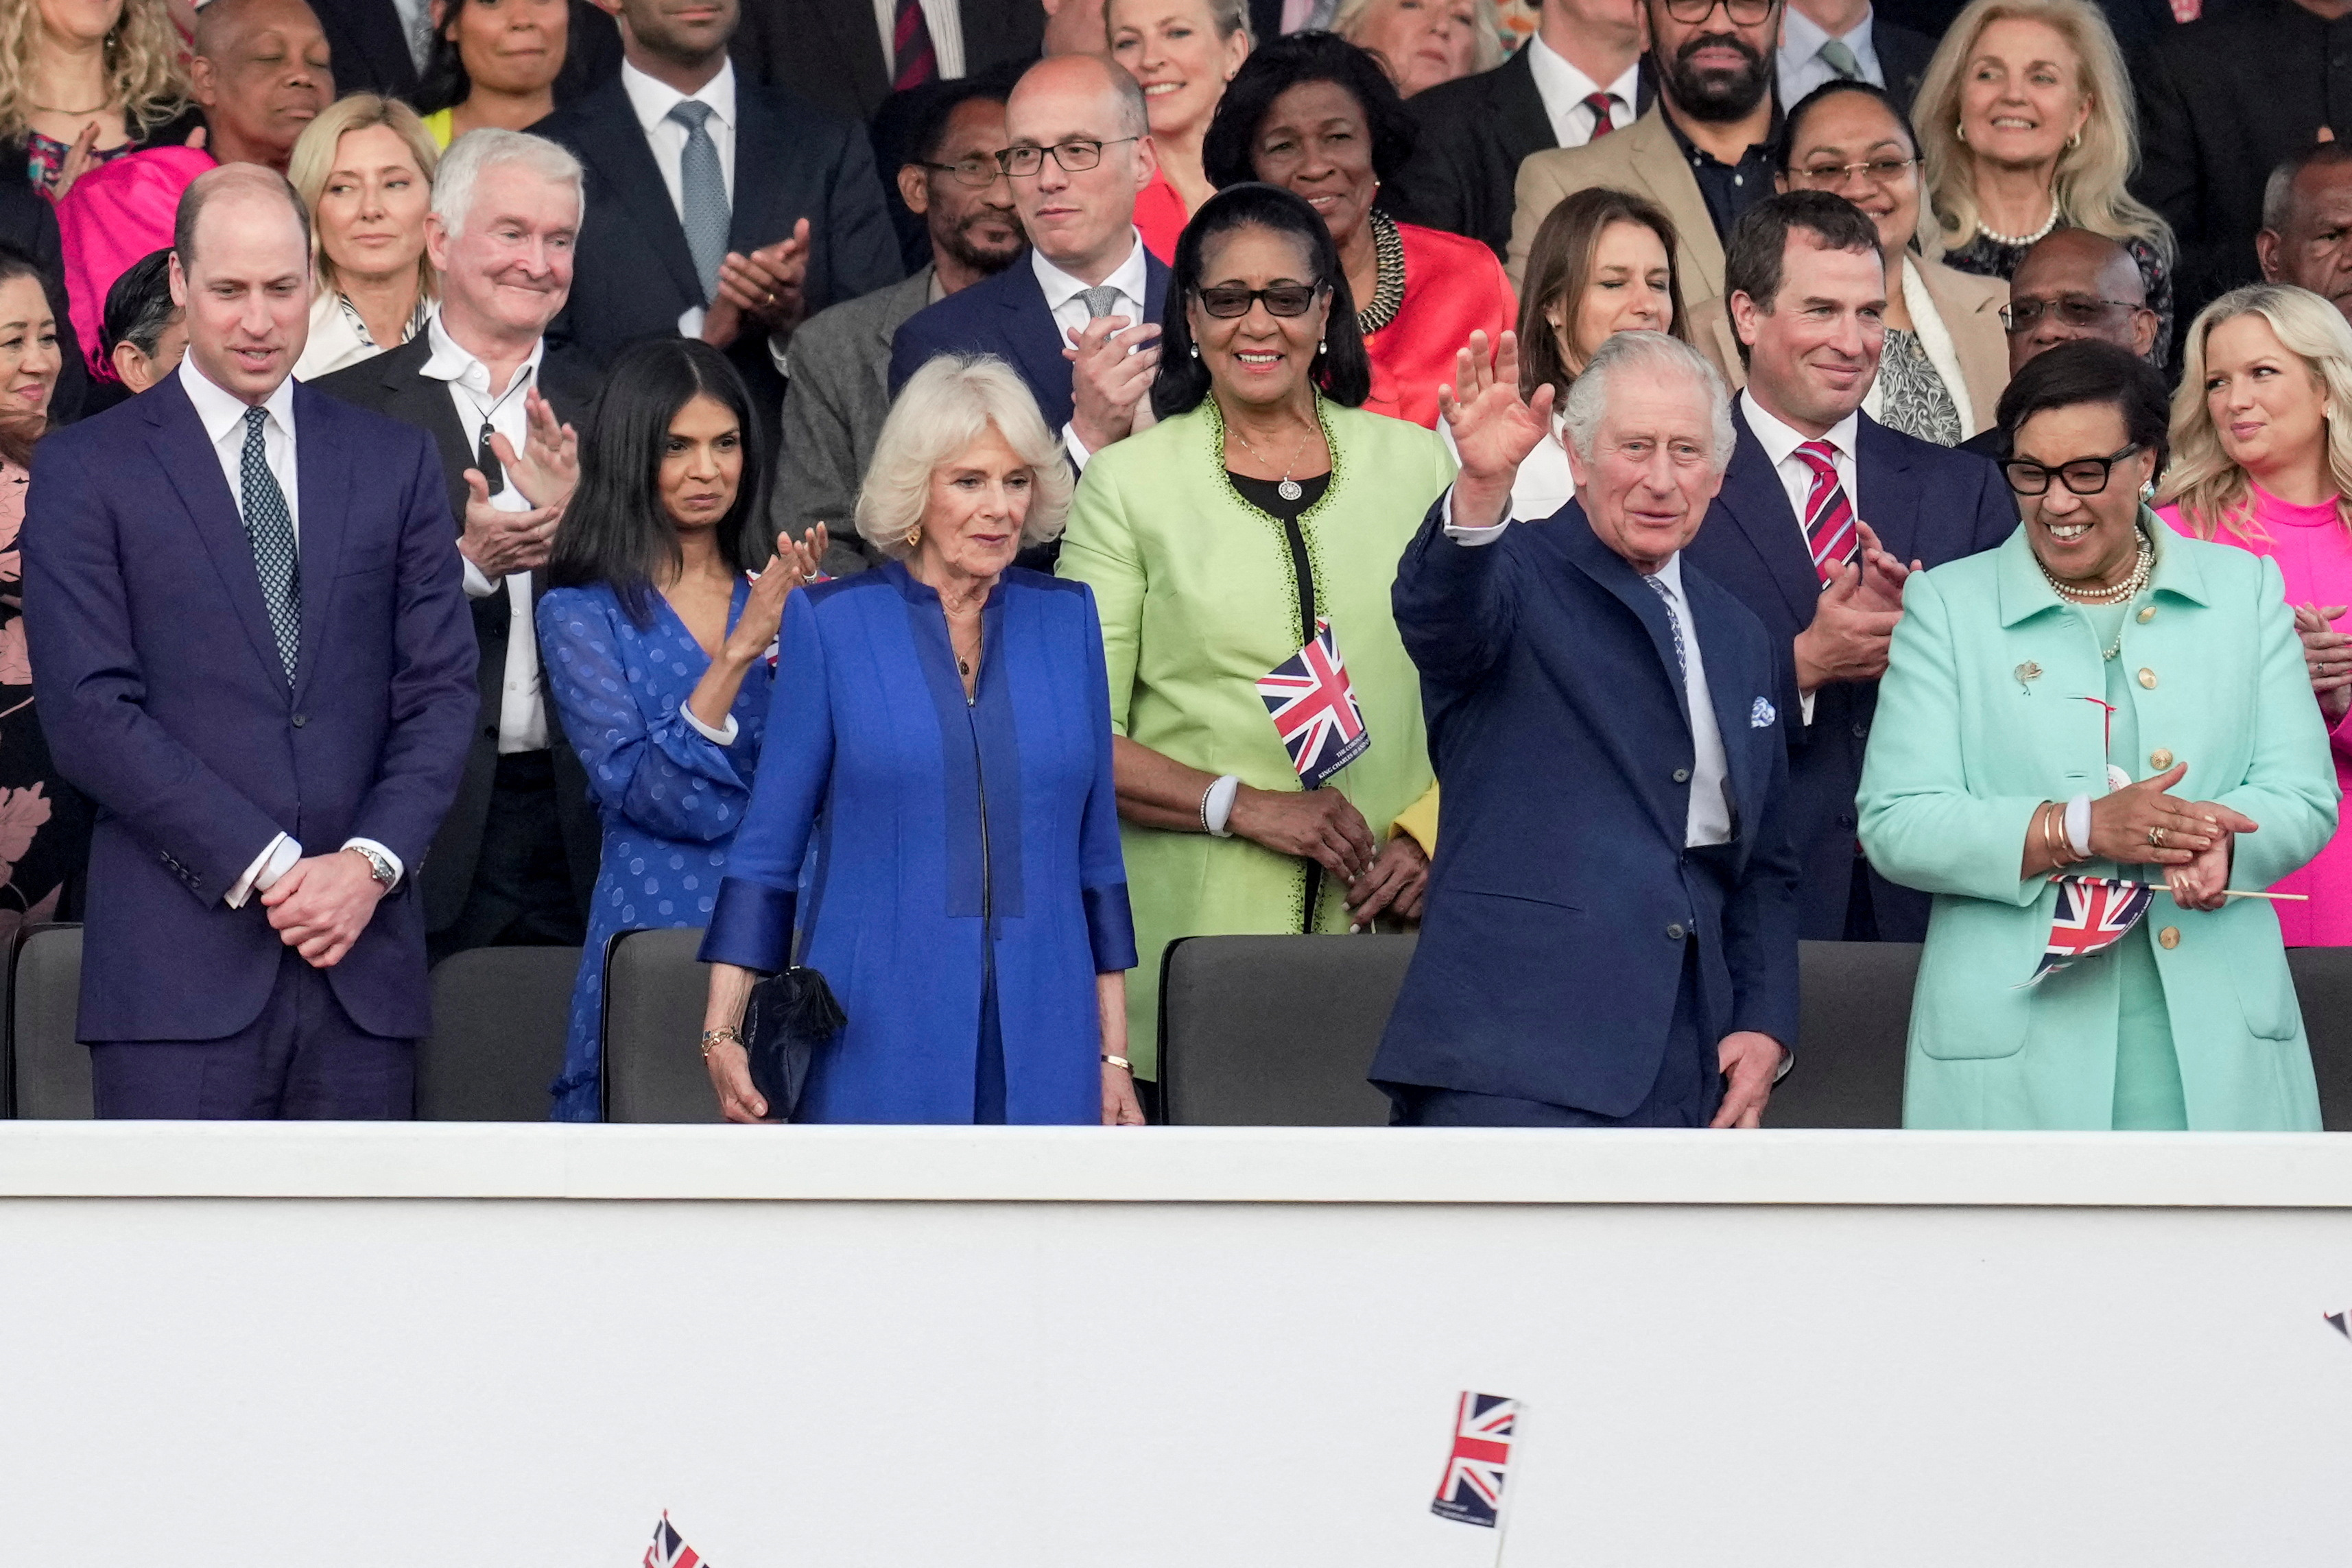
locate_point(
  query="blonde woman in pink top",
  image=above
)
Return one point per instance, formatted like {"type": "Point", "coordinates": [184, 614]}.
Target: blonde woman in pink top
{"type": "Point", "coordinates": [2262, 445]}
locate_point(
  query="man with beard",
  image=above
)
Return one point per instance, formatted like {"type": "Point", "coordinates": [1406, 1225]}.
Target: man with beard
{"type": "Point", "coordinates": [1702, 152]}
{"type": "Point", "coordinates": [840, 387]}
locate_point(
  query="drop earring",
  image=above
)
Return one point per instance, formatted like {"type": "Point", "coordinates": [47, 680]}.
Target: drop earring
{"type": "Point", "coordinates": [1196, 351]}
{"type": "Point", "coordinates": [1320, 345]}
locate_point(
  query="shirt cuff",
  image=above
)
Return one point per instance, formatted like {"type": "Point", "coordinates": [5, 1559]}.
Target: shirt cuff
{"type": "Point", "coordinates": [781, 356]}
{"type": "Point", "coordinates": [1472, 537]}
{"type": "Point", "coordinates": [398, 870]}
{"type": "Point", "coordinates": [716, 737]}
{"type": "Point", "coordinates": [478, 584]}
{"type": "Point", "coordinates": [276, 859]}
{"type": "Point", "coordinates": [1076, 448]}
{"type": "Point", "coordinates": [1805, 707]}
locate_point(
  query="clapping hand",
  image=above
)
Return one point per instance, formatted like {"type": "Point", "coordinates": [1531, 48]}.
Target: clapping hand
{"type": "Point", "coordinates": [763, 611]}
{"type": "Point", "coordinates": [1111, 367]}
{"type": "Point", "coordinates": [547, 470]}
{"type": "Point", "coordinates": [2329, 653]}
{"type": "Point", "coordinates": [79, 159]}
{"type": "Point", "coordinates": [768, 287]}
{"type": "Point", "coordinates": [498, 542]}
{"type": "Point", "coordinates": [2124, 822]}
{"type": "Point", "coordinates": [1883, 576]}
{"type": "Point", "coordinates": [1494, 427]}
{"type": "Point", "coordinates": [2201, 883]}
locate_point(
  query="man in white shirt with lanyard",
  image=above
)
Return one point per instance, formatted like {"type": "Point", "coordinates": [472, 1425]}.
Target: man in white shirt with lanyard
{"type": "Point", "coordinates": [516, 860]}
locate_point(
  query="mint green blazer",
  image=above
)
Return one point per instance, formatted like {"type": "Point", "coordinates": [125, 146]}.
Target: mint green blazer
{"type": "Point", "coordinates": [1969, 742]}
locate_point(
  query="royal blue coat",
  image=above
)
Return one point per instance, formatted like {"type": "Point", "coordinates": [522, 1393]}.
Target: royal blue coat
{"type": "Point", "coordinates": [950, 834]}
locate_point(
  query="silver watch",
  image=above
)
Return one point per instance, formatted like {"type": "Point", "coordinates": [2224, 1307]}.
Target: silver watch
{"type": "Point", "coordinates": [378, 867]}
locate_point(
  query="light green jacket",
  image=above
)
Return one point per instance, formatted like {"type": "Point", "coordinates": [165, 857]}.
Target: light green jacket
{"type": "Point", "coordinates": [1199, 598]}
{"type": "Point", "coordinates": [1968, 740]}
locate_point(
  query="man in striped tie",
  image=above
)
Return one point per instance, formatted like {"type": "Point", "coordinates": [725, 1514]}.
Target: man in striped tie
{"type": "Point", "coordinates": [1824, 511]}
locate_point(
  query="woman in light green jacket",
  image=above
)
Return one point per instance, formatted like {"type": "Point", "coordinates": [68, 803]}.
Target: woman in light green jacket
{"type": "Point", "coordinates": [2099, 697]}
{"type": "Point", "coordinates": [1262, 502]}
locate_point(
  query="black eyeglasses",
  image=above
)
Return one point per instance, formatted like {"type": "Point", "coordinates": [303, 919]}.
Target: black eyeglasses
{"type": "Point", "coordinates": [1075, 157]}
{"type": "Point", "coordinates": [2084, 476]}
{"type": "Point", "coordinates": [1282, 299]}
{"type": "Point", "coordinates": [1829, 177]}
{"type": "Point", "coordinates": [2074, 309]}
{"type": "Point", "coordinates": [1743, 13]}
{"type": "Point", "coordinates": [979, 170]}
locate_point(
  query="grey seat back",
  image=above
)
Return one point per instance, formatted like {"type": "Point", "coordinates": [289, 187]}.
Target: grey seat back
{"type": "Point", "coordinates": [1852, 1031]}
{"type": "Point", "coordinates": [499, 1016]}
{"type": "Point", "coordinates": [2323, 983]}
{"type": "Point", "coordinates": [1275, 1031]}
{"type": "Point", "coordinates": [48, 1070]}
{"type": "Point", "coordinates": [654, 994]}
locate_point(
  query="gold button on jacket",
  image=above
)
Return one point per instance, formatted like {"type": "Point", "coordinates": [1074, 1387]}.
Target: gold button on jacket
{"type": "Point", "coordinates": [2159, 758]}
{"type": "Point", "coordinates": [2146, 614]}
{"type": "Point", "coordinates": [2170, 936]}
{"type": "Point", "coordinates": [2148, 678]}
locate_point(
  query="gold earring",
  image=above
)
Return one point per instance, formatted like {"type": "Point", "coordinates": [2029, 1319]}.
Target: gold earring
{"type": "Point", "coordinates": [2074, 141]}
{"type": "Point", "coordinates": [915, 537]}
{"type": "Point", "coordinates": [1961, 131]}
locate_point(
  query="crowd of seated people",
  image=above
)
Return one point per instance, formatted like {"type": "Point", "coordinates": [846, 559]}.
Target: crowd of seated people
{"type": "Point", "coordinates": [958, 495]}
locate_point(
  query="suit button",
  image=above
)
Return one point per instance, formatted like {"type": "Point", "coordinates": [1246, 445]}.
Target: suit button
{"type": "Point", "coordinates": [300, 720]}
{"type": "Point", "coordinates": [1682, 775]}
{"type": "Point", "coordinates": [1674, 932]}
{"type": "Point", "coordinates": [2170, 936]}
{"type": "Point", "coordinates": [2159, 758]}
{"type": "Point", "coordinates": [490, 732]}
{"type": "Point", "coordinates": [2148, 678]}
{"type": "Point", "coordinates": [1861, 730]}
{"type": "Point", "coordinates": [1845, 819]}
{"type": "Point", "coordinates": [2147, 614]}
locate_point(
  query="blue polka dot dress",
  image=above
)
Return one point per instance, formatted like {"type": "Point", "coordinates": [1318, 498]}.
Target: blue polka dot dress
{"type": "Point", "coordinates": [670, 798]}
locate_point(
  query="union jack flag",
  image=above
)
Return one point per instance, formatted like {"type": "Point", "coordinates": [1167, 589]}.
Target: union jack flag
{"type": "Point", "coordinates": [2093, 913]}
{"type": "Point", "coordinates": [1314, 709]}
{"type": "Point", "coordinates": [1471, 1489]}
{"type": "Point", "coordinates": [669, 1550]}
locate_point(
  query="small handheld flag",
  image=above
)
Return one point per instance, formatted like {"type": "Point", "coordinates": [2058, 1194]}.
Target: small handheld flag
{"type": "Point", "coordinates": [669, 1548]}
{"type": "Point", "coordinates": [2093, 913]}
{"type": "Point", "coordinates": [1471, 1492]}
{"type": "Point", "coordinates": [1314, 710]}
{"type": "Point", "coordinates": [2336, 1321]}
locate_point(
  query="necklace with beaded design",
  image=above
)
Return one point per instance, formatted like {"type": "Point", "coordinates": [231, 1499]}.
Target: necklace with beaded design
{"type": "Point", "coordinates": [2143, 568]}
{"type": "Point", "coordinates": [1388, 292]}
{"type": "Point", "coordinates": [2019, 241]}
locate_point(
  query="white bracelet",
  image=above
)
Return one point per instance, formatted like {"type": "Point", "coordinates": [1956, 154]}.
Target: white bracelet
{"type": "Point", "coordinates": [2078, 825]}
{"type": "Point", "coordinates": [1217, 805]}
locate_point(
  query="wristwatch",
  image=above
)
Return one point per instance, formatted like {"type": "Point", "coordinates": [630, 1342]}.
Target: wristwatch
{"type": "Point", "coordinates": [378, 867]}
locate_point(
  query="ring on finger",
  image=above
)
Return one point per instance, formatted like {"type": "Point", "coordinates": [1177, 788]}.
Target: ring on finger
{"type": "Point", "coordinates": [2155, 837]}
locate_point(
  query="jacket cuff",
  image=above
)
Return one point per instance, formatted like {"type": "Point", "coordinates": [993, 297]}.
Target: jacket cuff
{"type": "Point", "coordinates": [1110, 927]}
{"type": "Point", "coordinates": [750, 926]}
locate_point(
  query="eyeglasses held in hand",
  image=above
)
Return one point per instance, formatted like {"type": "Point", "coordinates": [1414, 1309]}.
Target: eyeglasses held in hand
{"type": "Point", "coordinates": [1830, 176]}
{"type": "Point", "coordinates": [2084, 476]}
{"type": "Point", "coordinates": [1282, 299]}
{"type": "Point", "coordinates": [979, 170]}
{"type": "Point", "coordinates": [1743, 13]}
{"type": "Point", "coordinates": [2074, 309]}
{"type": "Point", "coordinates": [1075, 157]}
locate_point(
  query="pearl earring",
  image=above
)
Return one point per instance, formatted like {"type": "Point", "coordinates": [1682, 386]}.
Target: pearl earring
{"type": "Point", "coordinates": [1961, 131]}
{"type": "Point", "coordinates": [1196, 351]}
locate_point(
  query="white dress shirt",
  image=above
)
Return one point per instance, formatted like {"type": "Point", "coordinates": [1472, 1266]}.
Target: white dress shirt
{"type": "Point", "coordinates": [652, 100]}
{"type": "Point", "coordinates": [1707, 818]}
{"type": "Point", "coordinates": [947, 36]}
{"type": "Point", "coordinates": [1780, 442]}
{"type": "Point", "coordinates": [1798, 61]}
{"type": "Point", "coordinates": [1069, 311]}
{"type": "Point", "coordinates": [222, 414]}
{"type": "Point", "coordinates": [522, 707]}
{"type": "Point", "coordinates": [1564, 89]}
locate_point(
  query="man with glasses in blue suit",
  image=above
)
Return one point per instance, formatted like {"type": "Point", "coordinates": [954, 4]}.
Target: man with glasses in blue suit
{"type": "Point", "coordinates": [1080, 320]}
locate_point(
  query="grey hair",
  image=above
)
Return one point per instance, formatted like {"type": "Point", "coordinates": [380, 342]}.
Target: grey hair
{"type": "Point", "coordinates": [2278, 191]}
{"type": "Point", "coordinates": [492, 148]}
{"type": "Point", "coordinates": [1588, 394]}
{"type": "Point", "coordinates": [951, 402]}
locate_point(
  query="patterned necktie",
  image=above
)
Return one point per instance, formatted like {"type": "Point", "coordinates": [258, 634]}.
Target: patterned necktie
{"type": "Point", "coordinates": [702, 196]}
{"type": "Point", "coordinates": [1100, 300]}
{"type": "Point", "coordinates": [1682, 660]}
{"type": "Point", "coordinates": [269, 528]}
{"type": "Point", "coordinates": [1839, 58]}
{"type": "Point", "coordinates": [1830, 532]}
{"type": "Point", "coordinates": [910, 47]}
{"type": "Point", "coordinates": [1601, 104]}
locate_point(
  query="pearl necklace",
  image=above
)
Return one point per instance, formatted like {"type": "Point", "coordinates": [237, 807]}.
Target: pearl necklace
{"type": "Point", "coordinates": [2021, 241]}
{"type": "Point", "coordinates": [2124, 592]}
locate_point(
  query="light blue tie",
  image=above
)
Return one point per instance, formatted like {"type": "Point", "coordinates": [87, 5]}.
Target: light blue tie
{"type": "Point", "coordinates": [1839, 58]}
{"type": "Point", "coordinates": [269, 528]}
{"type": "Point", "coordinates": [1674, 621]}
{"type": "Point", "coordinates": [702, 196]}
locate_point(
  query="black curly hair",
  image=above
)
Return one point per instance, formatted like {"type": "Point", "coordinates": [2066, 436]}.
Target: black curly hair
{"type": "Point", "coordinates": [1273, 69]}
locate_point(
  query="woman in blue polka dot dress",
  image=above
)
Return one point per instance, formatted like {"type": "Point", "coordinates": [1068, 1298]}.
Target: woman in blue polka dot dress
{"type": "Point", "coordinates": [658, 652]}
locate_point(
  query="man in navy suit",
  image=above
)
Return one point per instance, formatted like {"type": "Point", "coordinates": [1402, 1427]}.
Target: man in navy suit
{"type": "Point", "coordinates": [1080, 319]}
{"type": "Point", "coordinates": [1819, 510]}
{"type": "Point", "coordinates": [252, 649]}
{"type": "Point", "coordinates": [1610, 937]}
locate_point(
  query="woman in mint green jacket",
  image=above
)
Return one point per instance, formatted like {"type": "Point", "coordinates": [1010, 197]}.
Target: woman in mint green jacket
{"type": "Point", "coordinates": [2099, 697]}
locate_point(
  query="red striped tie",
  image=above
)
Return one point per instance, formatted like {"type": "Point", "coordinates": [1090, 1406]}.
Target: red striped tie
{"type": "Point", "coordinates": [1830, 532]}
{"type": "Point", "coordinates": [910, 45]}
{"type": "Point", "coordinates": [1601, 103]}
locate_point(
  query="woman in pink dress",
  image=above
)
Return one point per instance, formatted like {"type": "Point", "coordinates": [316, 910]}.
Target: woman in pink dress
{"type": "Point", "coordinates": [2261, 443]}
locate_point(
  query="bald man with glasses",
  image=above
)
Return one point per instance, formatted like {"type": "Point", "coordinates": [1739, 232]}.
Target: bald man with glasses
{"type": "Point", "coordinates": [2072, 284]}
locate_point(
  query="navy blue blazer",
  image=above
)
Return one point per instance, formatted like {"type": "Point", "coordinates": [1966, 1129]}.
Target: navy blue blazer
{"type": "Point", "coordinates": [162, 697]}
{"type": "Point", "coordinates": [1562, 898]}
{"type": "Point", "coordinates": [1927, 503]}
{"type": "Point", "coordinates": [1006, 316]}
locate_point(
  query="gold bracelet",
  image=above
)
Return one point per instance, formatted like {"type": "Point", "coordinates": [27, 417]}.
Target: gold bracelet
{"type": "Point", "coordinates": [724, 1035]}
{"type": "Point", "coordinates": [1120, 1062]}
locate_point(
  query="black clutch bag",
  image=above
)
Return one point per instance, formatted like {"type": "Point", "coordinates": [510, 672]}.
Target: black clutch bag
{"type": "Point", "coordinates": [790, 1017]}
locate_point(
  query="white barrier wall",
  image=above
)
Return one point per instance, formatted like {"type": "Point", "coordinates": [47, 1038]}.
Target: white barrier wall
{"type": "Point", "coordinates": [837, 1347]}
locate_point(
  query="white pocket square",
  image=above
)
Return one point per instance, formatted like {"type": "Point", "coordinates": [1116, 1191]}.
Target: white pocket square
{"type": "Point", "coordinates": [1761, 715]}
